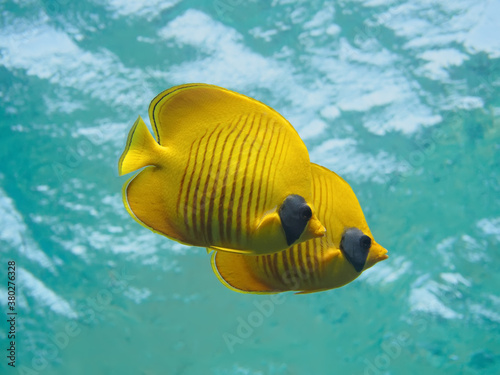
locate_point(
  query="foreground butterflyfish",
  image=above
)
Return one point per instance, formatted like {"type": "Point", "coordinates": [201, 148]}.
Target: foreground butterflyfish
{"type": "Point", "coordinates": [224, 171]}
{"type": "Point", "coordinates": [347, 249]}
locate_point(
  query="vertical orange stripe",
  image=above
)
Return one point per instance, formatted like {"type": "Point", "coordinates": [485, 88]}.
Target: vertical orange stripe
{"type": "Point", "coordinates": [300, 254]}
{"type": "Point", "coordinates": [243, 181]}
{"type": "Point", "coordinates": [321, 212]}
{"type": "Point", "coordinates": [279, 158]}
{"type": "Point", "coordinates": [293, 266]}
{"type": "Point", "coordinates": [227, 236]}
{"type": "Point", "coordinates": [285, 152]}
{"type": "Point", "coordinates": [326, 215]}
{"type": "Point", "coordinates": [186, 199]}
{"type": "Point", "coordinates": [324, 200]}
{"type": "Point", "coordinates": [181, 188]}
{"type": "Point", "coordinates": [271, 165]}
{"type": "Point", "coordinates": [194, 204]}
{"type": "Point", "coordinates": [261, 198]}
{"type": "Point", "coordinates": [321, 244]}
{"type": "Point", "coordinates": [316, 262]}
{"type": "Point", "coordinates": [264, 264]}
{"type": "Point", "coordinates": [319, 194]}
{"type": "Point", "coordinates": [286, 270]}
{"type": "Point", "coordinates": [308, 259]}
{"type": "Point", "coordinates": [273, 271]}
{"type": "Point", "coordinates": [249, 216]}
{"type": "Point", "coordinates": [329, 197]}
{"type": "Point", "coordinates": [276, 267]}
{"type": "Point", "coordinates": [214, 194]}
{"type": "Point", "coordinates": [229, 219]}
{"type": "Point", "coordinates": [204, 222]}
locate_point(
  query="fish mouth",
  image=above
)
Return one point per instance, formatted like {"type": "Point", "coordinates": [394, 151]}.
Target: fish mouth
{"type": "Point", "coordinates": [377, 254]}
{"type": "Point", "coordinates": [314, 229]}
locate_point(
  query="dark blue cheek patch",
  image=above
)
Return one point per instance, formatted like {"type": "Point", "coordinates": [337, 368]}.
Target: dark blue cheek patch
{"type": "Point", "coordinates": [294, 214]}
{"type": "Point", "coordinates": [355, 245]}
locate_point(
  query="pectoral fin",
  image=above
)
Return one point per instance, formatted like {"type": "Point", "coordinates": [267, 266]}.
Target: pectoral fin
{"type": "Point", "coordinates": [270, 221]}
{"type": "Point", "coordinates": [270, 233]}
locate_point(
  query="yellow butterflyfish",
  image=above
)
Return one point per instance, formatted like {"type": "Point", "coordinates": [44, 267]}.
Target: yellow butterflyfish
{"type": "Point", "coordinates": [225, 171]}
{"type": "Point", "coordinates": [315, 265]}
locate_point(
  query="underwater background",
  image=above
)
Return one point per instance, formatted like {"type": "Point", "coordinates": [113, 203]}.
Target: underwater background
{"type": "Point", "coordinates": [399, 97]}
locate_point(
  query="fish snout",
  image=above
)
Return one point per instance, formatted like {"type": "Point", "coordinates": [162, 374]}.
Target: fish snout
{"type": "Point", "coordinates": [314, 229]}
{"type": "Point", "coordinates": [377, 254]}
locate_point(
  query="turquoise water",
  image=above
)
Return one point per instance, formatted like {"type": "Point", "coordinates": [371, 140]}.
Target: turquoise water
{"type": "Point", "coordinates": [401, 98]}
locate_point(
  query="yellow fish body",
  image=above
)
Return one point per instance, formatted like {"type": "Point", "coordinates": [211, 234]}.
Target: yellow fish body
{"type": "Point", "coordinates": [347, 249]}
{"type": "Point", "coordinates": [225, 171]}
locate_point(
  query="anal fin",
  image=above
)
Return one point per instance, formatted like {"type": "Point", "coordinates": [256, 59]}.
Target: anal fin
{"type": "Point", "coordinates": [143, 196]}
{"type": "Point", "coordinates": [238, 273]}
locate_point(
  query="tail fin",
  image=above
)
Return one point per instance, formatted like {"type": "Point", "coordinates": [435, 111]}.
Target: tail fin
{"type": "Point", "coordinates": [140, 151]}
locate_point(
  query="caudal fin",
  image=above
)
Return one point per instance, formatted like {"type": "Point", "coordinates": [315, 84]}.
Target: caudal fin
{"type": "Point", "coordinates": [141, 149]}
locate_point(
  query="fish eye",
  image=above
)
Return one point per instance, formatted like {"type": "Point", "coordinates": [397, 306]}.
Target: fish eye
{"type": "Point", "coordinates": [306, 212]}
{"type": "Point", "coordinates": [355, 245]}
{"type": "Point", "coordinates": [365, 242]}
{"type": "Point", "coordinates": [294, 215]}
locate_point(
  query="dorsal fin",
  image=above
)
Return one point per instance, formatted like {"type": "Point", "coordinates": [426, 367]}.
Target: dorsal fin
{"type": "Point", "coordinates": [192, 105]}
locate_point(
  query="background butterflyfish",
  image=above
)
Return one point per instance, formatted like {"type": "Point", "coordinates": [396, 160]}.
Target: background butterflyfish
{"type": "Point", "coordinates": [347, 249]}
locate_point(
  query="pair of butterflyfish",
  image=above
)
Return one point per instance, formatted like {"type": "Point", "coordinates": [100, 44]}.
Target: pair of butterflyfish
{"type": "Point", "coordinates": [227, 172]}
